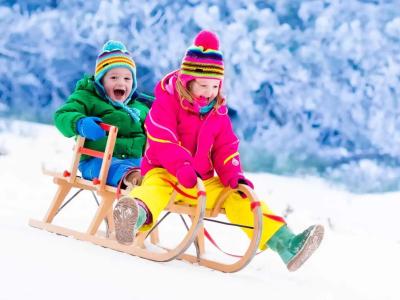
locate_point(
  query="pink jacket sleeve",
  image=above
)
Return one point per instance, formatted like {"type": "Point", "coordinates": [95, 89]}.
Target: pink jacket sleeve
{"type": "Point", "coordinates": [225, 153]}
{"type": "Point", "coordinates": [161, 126]}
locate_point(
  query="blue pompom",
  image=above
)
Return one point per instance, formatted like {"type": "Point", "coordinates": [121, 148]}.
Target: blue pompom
{"type": "Point", "coordinates": [113, 46]}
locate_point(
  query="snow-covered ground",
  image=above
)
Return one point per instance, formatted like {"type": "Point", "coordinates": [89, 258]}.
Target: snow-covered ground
{"type": "Point", "coordinates": [358, 259]}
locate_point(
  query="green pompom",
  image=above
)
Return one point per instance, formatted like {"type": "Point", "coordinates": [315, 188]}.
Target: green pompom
{"type": "Point", "coordinates": [113, 46]}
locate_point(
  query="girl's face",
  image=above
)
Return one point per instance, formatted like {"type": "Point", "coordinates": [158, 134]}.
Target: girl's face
{"type": "Point", "coordinates": [117, 83]}
{"type": "Point", "coordinates": [204, 88]}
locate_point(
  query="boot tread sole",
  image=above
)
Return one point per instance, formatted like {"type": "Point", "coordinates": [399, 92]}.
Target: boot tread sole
{"type": "Point", "coordinates": [312, 243]}
{"type": "Point", "coordinates": [125, 217]}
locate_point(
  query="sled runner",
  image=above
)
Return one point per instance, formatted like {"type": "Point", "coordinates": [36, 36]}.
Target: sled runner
{"type": "Point", "coordinates": [146, 244]}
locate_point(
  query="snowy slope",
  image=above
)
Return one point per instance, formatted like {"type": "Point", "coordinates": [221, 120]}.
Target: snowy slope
{"type": "Point", "coordinates": [359, 258]}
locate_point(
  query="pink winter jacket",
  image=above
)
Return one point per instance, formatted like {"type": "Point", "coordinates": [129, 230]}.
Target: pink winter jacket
{"type": "Point", "coordinates": [178, 134]}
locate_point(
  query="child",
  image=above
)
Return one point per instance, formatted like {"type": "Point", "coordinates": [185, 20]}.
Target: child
{"type": "Point", "coordinates": [109, 96]}
{"type": "Point", "coordinates": [190, 134]}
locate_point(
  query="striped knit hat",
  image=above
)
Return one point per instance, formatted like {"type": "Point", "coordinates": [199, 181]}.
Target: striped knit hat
{"type": "Point", "coordinates": [203, 59]}
{"type": "Point", "coordinates": [114, 55]}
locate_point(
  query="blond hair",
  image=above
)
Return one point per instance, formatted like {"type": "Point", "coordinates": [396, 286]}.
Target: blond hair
{"type": "Point", "coordinates": [184, 93]}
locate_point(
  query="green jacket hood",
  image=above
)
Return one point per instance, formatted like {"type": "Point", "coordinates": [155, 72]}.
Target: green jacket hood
{"type": "Point", "coordinates": [86, 83]}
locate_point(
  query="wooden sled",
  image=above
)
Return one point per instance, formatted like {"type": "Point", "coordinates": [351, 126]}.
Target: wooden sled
{"type": "Point", "coordinates": [148, 248]}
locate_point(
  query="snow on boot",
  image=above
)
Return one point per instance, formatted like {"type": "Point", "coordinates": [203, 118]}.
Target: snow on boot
{"type": "Point", "coordinates": [128, 218]}
{"type": "Point", "coordinates": [293, 249]}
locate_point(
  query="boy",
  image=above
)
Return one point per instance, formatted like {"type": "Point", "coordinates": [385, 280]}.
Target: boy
{"type": "Point", "coordinates": [108, 96]}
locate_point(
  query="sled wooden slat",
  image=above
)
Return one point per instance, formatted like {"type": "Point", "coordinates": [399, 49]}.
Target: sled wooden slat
{"type": "Point", "coordinates": [81, 183]}
{"type": "Point", "coordinates": [141, 247]}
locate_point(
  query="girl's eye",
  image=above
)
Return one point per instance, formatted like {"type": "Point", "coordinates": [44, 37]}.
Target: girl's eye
{"type": "Point", "coordinates": [127, 78]}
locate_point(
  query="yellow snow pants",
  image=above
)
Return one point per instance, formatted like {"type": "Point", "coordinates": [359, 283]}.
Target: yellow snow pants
{"type": "Point", "coordinates": [156, 193]}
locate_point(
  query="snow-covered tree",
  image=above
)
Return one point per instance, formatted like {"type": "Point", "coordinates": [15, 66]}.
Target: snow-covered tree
{"type": "Point", "coordinates": [313, 86]}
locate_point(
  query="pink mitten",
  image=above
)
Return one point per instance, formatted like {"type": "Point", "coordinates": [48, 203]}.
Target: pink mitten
{"type": "Point", "coordinates": [234, 182]}
{"type": "Point", "coordinates": [186, 176]}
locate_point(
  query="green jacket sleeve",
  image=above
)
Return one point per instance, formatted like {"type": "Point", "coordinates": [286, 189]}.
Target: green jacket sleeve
{"type": "Point", "coordinates": [66, 117]}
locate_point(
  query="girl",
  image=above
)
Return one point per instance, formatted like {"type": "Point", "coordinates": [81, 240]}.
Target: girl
{"type": "Point", "coordinates": [109, 96]}
{"type": "Point", "coordinates": [189, 134]}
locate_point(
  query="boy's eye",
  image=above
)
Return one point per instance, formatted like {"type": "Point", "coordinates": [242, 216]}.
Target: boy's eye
{"type": "Point", "coordinates": [127, 78]}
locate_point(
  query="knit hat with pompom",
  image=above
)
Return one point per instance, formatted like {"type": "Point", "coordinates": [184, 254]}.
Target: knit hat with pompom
{"type": "Point", "coordinates": [114, 55]}
{"type": "Point", "coordinates": [203, 59]}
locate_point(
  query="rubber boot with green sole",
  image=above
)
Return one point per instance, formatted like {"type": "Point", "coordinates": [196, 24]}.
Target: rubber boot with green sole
{"type": "Point", "coordinates": [293, 249]}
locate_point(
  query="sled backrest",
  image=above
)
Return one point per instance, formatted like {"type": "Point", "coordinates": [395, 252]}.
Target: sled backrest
{"type": "Point", "coordinates": [106, 156]}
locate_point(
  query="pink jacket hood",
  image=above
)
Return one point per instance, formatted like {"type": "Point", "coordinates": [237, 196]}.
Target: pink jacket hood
{"type": "Point", "coordinates": [178, 134]}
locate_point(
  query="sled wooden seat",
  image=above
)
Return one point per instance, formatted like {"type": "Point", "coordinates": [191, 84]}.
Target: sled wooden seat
{"type": "Point", "coordinates": [146, 244]}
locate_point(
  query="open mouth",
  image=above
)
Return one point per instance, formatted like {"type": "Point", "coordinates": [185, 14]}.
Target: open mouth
{"type": "Point", "coordinates": [119, 93]}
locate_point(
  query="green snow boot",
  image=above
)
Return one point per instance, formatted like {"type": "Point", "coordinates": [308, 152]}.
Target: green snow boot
{"type": "Point", "coordinates": [129, 216]}
{"type": "Point", "coordinates": [293, 249]}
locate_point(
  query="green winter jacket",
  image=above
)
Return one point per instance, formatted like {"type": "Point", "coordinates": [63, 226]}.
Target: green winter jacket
{"type": "Point", "coordinates": [85, 102]}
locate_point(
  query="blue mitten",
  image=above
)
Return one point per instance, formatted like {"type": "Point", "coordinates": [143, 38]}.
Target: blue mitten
{"type": "Point", "coordinates": [88, 128]}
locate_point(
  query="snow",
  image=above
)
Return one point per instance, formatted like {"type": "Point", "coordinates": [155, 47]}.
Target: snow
{"type": "Point", "coordinates": [358, 259]}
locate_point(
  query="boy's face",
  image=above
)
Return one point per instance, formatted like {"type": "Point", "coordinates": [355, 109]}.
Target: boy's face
{"type": "Point", "coordinates": [117, 83]}
{"type": "Point", "coordinates": [204, 88]}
